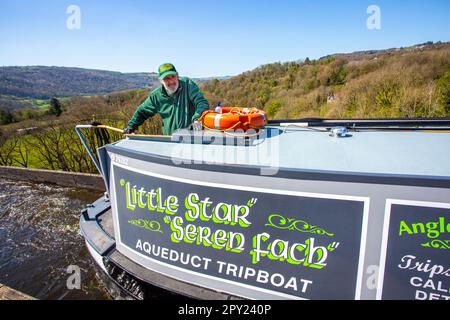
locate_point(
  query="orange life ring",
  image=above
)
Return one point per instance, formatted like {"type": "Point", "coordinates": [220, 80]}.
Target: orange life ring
{"type": "Point", "coordinates": [233, 118]}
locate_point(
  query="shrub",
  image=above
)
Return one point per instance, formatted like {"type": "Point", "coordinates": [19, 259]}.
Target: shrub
{"type": "Point", "coordinates": [272, 108]}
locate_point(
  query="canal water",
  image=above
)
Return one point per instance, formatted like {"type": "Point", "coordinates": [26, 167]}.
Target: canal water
{"type": "Point", "coordinates": [40, 238]}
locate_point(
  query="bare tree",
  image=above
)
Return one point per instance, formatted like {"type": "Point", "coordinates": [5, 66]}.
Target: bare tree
{"type": "Point", "coordinates": [8, 145]}
{"type": "Point", "coordinates": [47, 143]}
{"type": "Point", "coordinates": [22, 152]}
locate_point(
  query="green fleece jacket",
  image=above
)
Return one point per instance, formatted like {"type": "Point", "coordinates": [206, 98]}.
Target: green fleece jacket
{"type": "Point", "coordinates": [177, 111]}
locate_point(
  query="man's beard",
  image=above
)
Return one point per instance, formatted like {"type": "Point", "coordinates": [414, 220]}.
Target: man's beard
{"type": "Point", "coordinates": [171, 90]}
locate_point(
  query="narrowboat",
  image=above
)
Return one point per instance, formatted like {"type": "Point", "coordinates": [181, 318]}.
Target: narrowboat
{"type": "Point", "coordinates": [301, 209]}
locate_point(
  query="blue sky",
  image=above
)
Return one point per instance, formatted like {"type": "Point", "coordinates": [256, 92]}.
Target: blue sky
{"type": "Point", "coordinates": [205, 37]}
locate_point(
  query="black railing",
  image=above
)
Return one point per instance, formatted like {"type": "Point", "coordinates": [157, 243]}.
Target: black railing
{"type": "Point", "coordinates": [378, 124]}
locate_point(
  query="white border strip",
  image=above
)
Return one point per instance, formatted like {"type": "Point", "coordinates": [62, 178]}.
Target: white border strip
{"type": "Point", "coordinates": [386, 224]}
{"type": "Point", "coordinates": [365, 200]}
{"type": "Point", "coordinates": [362, 249]}
{"type": "Point", "coordinates": [255, 189]}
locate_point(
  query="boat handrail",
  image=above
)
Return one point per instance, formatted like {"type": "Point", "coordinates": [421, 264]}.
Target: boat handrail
{"type": "Point", "coordinates": [85, 144]}
{"type": "Point", "coordinates": [101, 126]}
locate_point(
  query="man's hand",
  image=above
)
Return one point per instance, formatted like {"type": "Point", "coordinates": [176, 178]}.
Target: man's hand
{"type": "Point", "coordinates": [196, 126]}
{"type": "Point", "coordinates": [128, 131]}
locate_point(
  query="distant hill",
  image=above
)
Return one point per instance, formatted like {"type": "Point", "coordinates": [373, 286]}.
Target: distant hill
{"type": "Point", "coordinates": [40, 82]}
{"type": "Point", "coordinates": [201, 80]}
{"type": "Point", "coordinates": [25, 87]}
{"type": "Point", "coordinates": [375, 54]}
{"type": "Point", "coordinates": [399, 82]}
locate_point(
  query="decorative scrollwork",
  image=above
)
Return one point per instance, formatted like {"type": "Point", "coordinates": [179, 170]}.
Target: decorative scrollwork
{"type": "Point", "coordinates": [154, 226]}
{"type": "Point", "coordinates": [437, 244]}
{"type": "Point", "coordinates": [280, 222]}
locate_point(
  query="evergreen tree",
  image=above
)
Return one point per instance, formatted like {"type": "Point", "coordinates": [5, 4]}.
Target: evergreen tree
{"type": "Point", "coordinates": [55, 107]}
{"type": "Point", "coordinates": [6, 117]}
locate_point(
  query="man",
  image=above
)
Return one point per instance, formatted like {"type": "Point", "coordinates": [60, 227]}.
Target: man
{"type": "Point", "coordinates": [178, 100]}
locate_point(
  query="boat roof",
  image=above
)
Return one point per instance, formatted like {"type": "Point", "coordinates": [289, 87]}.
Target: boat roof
{"type": "Point", "coordinates": [416, 153]}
